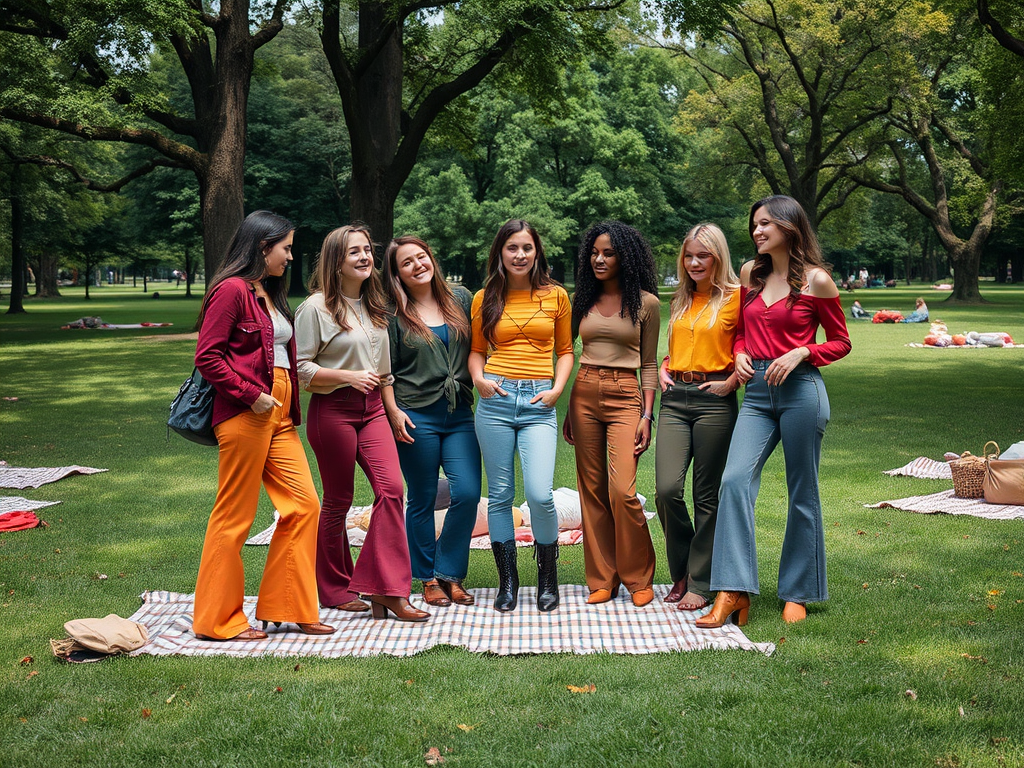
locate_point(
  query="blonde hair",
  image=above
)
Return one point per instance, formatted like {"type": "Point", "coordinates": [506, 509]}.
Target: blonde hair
{"type": "Point", "coordinates": [723, 279]}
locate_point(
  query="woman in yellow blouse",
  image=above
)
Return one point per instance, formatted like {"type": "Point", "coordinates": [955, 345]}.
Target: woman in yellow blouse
{"type": "Point", "coordinates": [521, 320]}
{"type": "Point", "coordinates": [698, 409]}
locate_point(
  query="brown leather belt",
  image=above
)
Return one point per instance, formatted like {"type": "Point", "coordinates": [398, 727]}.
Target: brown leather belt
{"type": "Point", "coordinates": [698, 377]}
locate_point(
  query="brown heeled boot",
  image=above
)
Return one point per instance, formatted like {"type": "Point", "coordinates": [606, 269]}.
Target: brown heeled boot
{"type": "Point", "coordinates": [399, 606]}
{"type": "Point", "coordinates": [735, 605]}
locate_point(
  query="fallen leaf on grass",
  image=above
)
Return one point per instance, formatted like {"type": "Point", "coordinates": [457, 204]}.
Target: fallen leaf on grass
{"type": "Point", "coordinates": [409, 682]}
{"type": "Point", "coordinates": [781, 641]}
{"type": "Point", "coordinates": [26, 661]}
{"type": "Point", "coordinates": [997, 740]}
{"type": "Point", "coordinates": [864, 585]}
{"type": "Point", "coordinates": [582, 689]}
{"type": "Point", "coordinates": [982, 659]}
{"type": "Point", "coordinates": [11, 399]}
{"type": "Point", "coordinates": [433, 756]}
{"type": "Point", "coordinates": [1018, 574]}
{"type": "Point", "coordinates": [961, 711]}
{"type": "Point", "coordinates": [860, 533]}
{"type": "Point", "coordinates": [912, 695]}
{"type": "Point", "coordinates": [31, 674]}
{"type": "Point", "coordinates": [279, 689]}
{"type": "Point", "coordinates": [990, 607]}
{"type": "Point", "coordinates": [170, 698]}
{"type": "Point", "coordinates": [146, 713]}
{"type": "Point", "coordinates": [84, 719]}
{"type": "Point", "coordinates": [466, 728]}
{"type": "Point", "coordinates": [995, 592]}
{"type": "Point", "coordinates": [298, 667]}
{"type": "Point", "coordinates": [862, 642]}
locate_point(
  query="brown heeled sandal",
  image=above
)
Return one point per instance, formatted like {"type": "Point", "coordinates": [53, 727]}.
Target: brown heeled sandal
{"type": "Point", "coordinates": [676, 593]}
{"type": "Point", "coordinates": [352, 606]}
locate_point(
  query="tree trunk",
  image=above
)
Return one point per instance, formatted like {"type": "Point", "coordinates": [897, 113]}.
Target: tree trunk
{"type": "Point", "coordinates": [966, 265]}
{"type": "Point", "coordinates": [377, 114]}
{"type": "Point", "coordinates": [46, 277]}
{"type": "Point", "coordinates": [17, 305]}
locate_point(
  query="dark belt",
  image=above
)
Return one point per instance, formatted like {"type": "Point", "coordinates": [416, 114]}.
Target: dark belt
{"type": "Point", "coordinates": [699, 377]}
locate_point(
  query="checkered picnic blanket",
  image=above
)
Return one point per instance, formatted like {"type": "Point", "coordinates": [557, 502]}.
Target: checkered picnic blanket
{"type": "Point", "coordinates": [18, 504]}
{"type": "Point", "coordinates": [33, 477]}
{"type": "Point", "coordinates": [614, 627]}
{"type": "Point", "coordinates": [924, 467]}
{"type": "Point", "coordinates": [947, 503]}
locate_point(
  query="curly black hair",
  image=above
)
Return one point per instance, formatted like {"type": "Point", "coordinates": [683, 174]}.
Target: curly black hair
{"type": "Point", "coordinates": [636, 270]}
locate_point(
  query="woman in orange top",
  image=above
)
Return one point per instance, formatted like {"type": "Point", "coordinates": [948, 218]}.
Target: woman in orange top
{"type": "Point", "coordinates": [698, 409]}
{"type": "Point", "coordinates": [520, 320]}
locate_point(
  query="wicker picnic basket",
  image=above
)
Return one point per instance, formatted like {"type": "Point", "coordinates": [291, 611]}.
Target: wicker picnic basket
{"type": "Point", "coordinates": [968, 475]}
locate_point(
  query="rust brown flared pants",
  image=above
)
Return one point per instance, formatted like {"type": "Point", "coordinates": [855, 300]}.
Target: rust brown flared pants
{"type": "Point", "coordinates": [604, 411]}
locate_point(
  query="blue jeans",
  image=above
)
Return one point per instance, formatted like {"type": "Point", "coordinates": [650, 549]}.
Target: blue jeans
{"type": "Point", "coordinates": [504, 424]}
{"type": "Point", "coordinates": [442, 439]}
{"type": "Point", "coordinates": [795, 413]}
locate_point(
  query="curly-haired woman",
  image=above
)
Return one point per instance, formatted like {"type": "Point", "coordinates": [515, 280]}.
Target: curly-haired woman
{"type": "Point", "coordinates": [617, 314]}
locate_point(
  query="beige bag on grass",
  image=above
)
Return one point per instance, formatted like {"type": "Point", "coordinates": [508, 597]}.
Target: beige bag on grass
{"type": "Point", "coordinates": [1004, 478]}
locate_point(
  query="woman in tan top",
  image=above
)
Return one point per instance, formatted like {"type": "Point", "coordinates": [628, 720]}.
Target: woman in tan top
{"type": "Point", "coordinates": [342, 339]}
{"type": "Point", "coordinates": [617, 314]}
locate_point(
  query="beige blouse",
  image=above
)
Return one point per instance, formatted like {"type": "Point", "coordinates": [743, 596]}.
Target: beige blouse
{"type": "Point", "coordinates": [321, 343]}
{"type": "Point", "coordinates": [614, 342]}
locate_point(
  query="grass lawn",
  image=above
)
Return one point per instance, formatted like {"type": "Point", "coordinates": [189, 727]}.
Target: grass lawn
{"type": "Point", "coordinates": [929, 604]}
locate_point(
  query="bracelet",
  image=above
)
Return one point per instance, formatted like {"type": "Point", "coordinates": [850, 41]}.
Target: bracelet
{"type": "Point", "coordinates": [648, 416]}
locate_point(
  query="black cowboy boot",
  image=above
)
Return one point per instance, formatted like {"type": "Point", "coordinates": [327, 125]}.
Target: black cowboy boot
{"type": "Point", "coordinates": [547, 576]}
{"type": "Point", "coordinates": [508, 575]}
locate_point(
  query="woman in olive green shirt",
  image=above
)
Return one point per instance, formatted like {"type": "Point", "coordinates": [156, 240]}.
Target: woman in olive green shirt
{"type": "Point", "coordinates": [430, 406]}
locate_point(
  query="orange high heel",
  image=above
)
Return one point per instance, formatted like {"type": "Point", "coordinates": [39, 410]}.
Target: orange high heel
{"type": "Point", "coordinates": [794, 612]}
{"type": "Point", "coordinates": [734, 605]}
{"type": "Point", "coordinates": [602, 595]}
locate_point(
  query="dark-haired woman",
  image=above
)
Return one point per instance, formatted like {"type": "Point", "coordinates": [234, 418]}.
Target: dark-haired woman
{"type": "Point", "coordinates": [618, 315]}
{"type": "Point", "coordinates": [520, 319]}
{"type": "Point", "coordinates": [344, 360]}
{"type": "Point", "coordinates": [698, 409]}
{"type": "Point", "coordinates": [788, 295]}
{"type": "Point", "coordinates": [246, 350]}
{"type": "Point", "coordinates": [430, 406]}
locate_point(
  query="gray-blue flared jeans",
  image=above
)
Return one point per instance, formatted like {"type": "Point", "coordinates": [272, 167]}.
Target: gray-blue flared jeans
{"type": "Point", "coordinates": [795, 413]}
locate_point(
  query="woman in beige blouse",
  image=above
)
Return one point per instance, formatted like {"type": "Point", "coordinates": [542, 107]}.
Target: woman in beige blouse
{"type": "Point", "coordinates": [342, 339]}
{"type": "Point", "coordinates": [617, 315]}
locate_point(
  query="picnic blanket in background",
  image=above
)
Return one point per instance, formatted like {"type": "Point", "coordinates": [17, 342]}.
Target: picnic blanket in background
{"type": "Point", "coordinates": [18, 521]}
{"type": "Point", "coordinates": [18, 504]}
{"type": "Point", "coordinates": [613, 627]}
{"type": "Point", "coordinates": [356, 535]}
{"type": "Point", "coordinates": [947, 503]}
{"type": "Point", "coordinates": [923, 467]}
{"type": "Point", "coordinates": [33, 477]}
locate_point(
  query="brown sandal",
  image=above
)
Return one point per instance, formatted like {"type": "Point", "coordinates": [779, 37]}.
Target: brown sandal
{"type": "Point", "coordinates": [249, 633]}
{"type": "Point", "coordinates": [352, 606]}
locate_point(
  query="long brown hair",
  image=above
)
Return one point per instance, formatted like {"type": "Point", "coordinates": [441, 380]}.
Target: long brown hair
{"type": "Point", "coordinates": [804, 251]}
{"type": "Point", "coordinates": [326, 278]}
{"type": "Point", "coordinates": [454, 316]}
{"type": "Point", "coordinates": [246, 258]}
{"type": "Point", "coordinates": [496, 287]}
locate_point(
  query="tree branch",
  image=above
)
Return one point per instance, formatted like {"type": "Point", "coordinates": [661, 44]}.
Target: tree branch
{"type": "Point", "coordinates": [1013, 44]}
{"type": "Point", "coordinates": [182, 154]}
{"type": "Point", "coordinates": [115, 186]}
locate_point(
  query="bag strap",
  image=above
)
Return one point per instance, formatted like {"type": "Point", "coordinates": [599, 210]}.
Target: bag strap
{"type": "Point", "coordinates": [988, 455]}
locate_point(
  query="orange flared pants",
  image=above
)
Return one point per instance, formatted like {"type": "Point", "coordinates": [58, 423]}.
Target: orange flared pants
{"type": "Point", "coordinates": [257, 448]}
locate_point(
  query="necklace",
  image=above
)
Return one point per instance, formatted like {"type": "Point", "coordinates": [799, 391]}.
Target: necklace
{"type": "Point", "coordinates": [693, 320]}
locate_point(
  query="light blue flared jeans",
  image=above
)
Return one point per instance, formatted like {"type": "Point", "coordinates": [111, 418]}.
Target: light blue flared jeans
{"type": "Point", "coordinates": [796, 414]}
{"type": "Point", "coordinates": [505, 423]}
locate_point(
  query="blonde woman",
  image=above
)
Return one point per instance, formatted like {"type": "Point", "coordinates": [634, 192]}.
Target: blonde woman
{"type": "Point", "coordinates": [344, 360]}
{"type": "Point", "coordinates": [698, 409]}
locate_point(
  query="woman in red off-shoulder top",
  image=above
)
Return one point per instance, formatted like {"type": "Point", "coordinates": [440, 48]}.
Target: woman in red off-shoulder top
{"type": "Point", "coordinates": [787, 295]}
